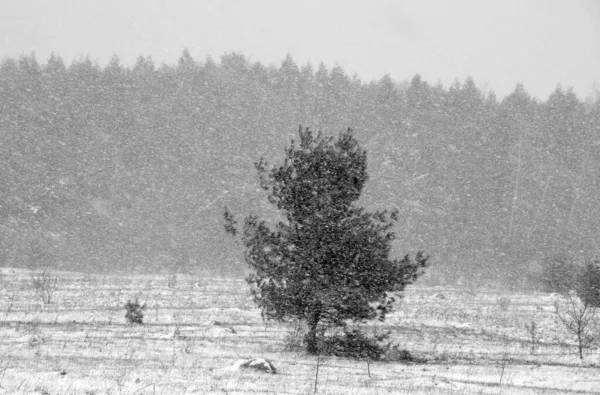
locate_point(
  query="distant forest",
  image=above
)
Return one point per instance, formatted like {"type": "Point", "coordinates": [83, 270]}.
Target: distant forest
{"type": "Point", "coordinates": [129, 168]}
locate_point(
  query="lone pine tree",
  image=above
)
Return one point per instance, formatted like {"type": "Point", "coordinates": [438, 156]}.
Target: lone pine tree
{"type": "Point", "coordinates": [328, 262]}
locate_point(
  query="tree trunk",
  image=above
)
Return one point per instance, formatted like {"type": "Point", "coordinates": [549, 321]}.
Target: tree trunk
{"type": "Point", "coordinates": [311, 337]}
{"type": "Point", "coordinates": [580, 345]}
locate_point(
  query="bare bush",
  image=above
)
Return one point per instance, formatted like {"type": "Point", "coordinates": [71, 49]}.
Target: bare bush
{"type": "Point", "coordinates": [172, 280]}
{"type": "Point", "coordinates": [534, 337]}
{"type": "Point", "coordinates": [294, 341]}
{"type": "Point", "coordinates": [576, 315]}
{"type": "Point", "coordinates": [45, 284]}
{"type": "Point", "coordinates": [504, 303]}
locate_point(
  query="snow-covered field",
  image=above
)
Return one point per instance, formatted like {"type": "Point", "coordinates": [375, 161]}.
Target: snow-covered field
{"type": "Point", "coordinates": [472, 342]}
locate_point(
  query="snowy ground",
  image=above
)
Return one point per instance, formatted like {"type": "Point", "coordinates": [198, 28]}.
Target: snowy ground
{"type": "Point", "coordinates": [473, 342]}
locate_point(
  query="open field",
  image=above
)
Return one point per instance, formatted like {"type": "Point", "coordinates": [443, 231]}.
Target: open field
{"type": "Point", "coordinates": [472, 342]}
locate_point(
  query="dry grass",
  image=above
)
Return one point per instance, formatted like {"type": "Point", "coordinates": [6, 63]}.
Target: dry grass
{"type": "Point", "coordinates": [81, 343]}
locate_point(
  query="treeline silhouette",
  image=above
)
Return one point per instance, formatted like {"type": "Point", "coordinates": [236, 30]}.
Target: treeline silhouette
{"type": "Point", "coordinates": [129, 167]}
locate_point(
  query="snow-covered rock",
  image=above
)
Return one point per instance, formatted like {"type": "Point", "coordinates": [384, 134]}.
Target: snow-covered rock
{"type": "Point", "coordinates": [260, 364]}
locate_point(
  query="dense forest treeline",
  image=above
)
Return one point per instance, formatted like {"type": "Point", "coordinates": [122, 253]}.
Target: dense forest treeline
{"type": "Point", "coordinates": [130, 167]}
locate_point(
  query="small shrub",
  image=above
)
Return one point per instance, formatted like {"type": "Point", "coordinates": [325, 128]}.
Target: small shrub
{"type": "Point", "coordinates": [41, 390]}
{"type": "Point", "coordinates": [134, 313]}
{"type": "Point", "coordinates": [354, 344]}
{"type": "Point", "coordinates": [396, 354]}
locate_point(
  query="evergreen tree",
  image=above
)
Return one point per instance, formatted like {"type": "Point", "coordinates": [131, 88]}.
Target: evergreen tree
{"type": "Point", "coordinates": [588, 284]}
{"type": "Point", "coordinates": [328, 262]}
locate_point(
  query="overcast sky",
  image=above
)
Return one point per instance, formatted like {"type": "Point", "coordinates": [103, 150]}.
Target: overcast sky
{"type": "Point", "coordinates": [499, 43]}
